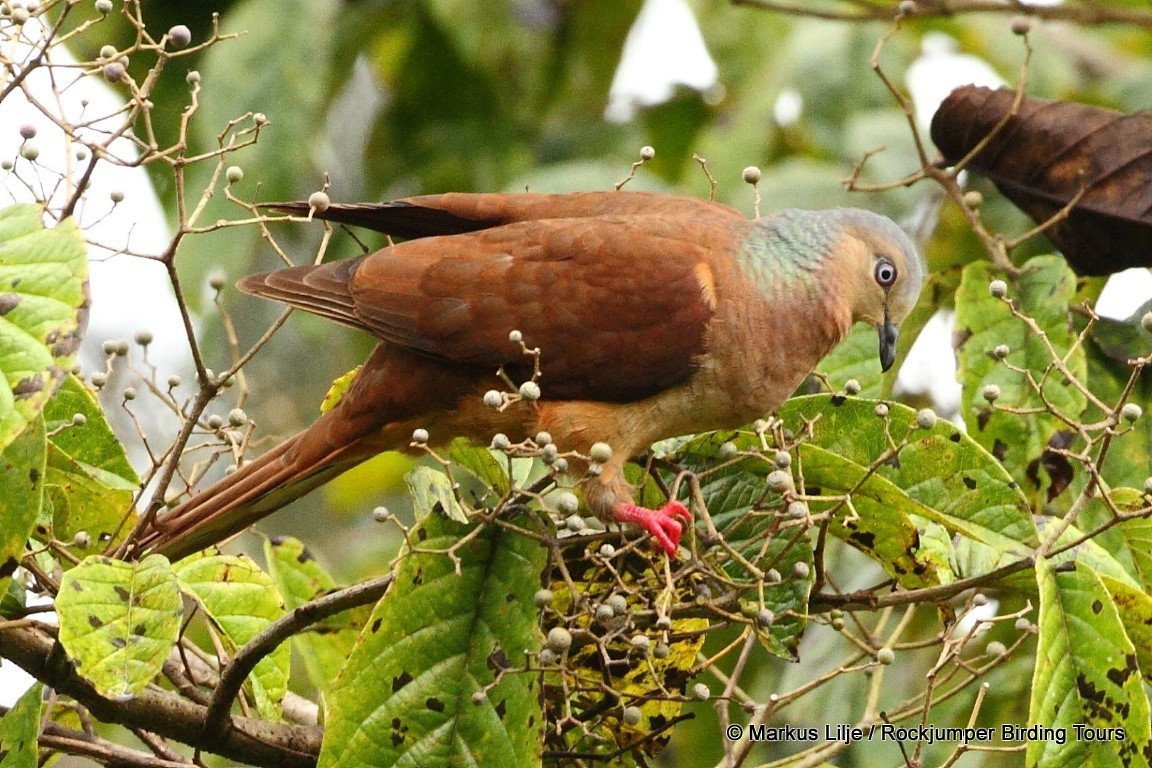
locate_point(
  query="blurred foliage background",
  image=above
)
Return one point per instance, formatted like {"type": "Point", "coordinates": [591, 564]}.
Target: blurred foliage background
{"type": "Point", "coordinates": [389, 98]}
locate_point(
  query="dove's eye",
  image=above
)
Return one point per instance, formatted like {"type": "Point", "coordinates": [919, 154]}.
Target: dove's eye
{"type": "Point", "coordinates": [885, 273]}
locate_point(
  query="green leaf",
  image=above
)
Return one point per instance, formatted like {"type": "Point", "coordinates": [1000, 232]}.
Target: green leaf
{"type": "Point", "coordinates": [241, 601]}
{"type": "Point", "coordinates": [19, 729]}
{"type": "Point", "coordinates": [22, 467]}
{"type": "Point", "coordinates": [1042, 291]}
{"type": "Point", "coordinates": [443, 632]}
{"type": "Point", "coordinates": [43, 312]}
{"type": "Point", "coordinates": [942, 468]}
{"type": "Point", "coordinates": [325, 646]}
{"type": "Point", "coordinates": [433, 491]}
{"type": "Point", "coordinates": [119, 620]}
{"type": "Point", "coordinates": [857, 357]}
{"type": "Point", "coordinates": [89, 483]}
{"type": "Point", "coordinates": [485, 465]}
{"type": "Point", "coordinates": [1086, 673]}
{"type": "Point", "coordinates": [1135, 609]}
{"type": "Point", "coordinates": [92, 444]}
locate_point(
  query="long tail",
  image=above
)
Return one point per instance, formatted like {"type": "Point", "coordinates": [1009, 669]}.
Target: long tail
{"type": "Point", "coordinates": [258, 488]}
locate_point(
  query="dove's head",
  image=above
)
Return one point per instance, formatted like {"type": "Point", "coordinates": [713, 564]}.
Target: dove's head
{"type": "Point", "coordinates": [881, 273]}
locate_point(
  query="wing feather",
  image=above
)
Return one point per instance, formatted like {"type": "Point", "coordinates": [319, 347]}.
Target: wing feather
{"type": "Point", "coordinates": [616, 303]}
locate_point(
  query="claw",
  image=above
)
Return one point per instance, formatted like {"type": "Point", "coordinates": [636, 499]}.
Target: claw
{"type": "Point", "coordinates": [664, 523]}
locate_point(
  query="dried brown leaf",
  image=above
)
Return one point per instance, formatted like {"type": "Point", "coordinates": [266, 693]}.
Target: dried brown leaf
{"type": "Point", "coordinates": [1049, 152]}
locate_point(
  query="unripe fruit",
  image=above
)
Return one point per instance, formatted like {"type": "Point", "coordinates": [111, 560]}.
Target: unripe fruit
{"type": "Point", "coordinates": [381, 515]}
{"type": "Point", "coordinates": [752, 175]}
{"type": "Point", "coordinates": [996, 648]}
{"type": "Point", "coordinates": [567, 502]}
{"type": "Point", "coordinates": [234, 174]}
{"type": "Point", "coordinates": [319, 201]}
{"type": "Point", "coordinates": [700, 692]}
{"type": "Point", "coordinates": [600, 452]}
{"type": "Point", "coordinates": [179, 36]}
{"type": "Point", "coordinates": [530, 390]}
{"type": "Point", "coordinates": [493, 399]}
{"type": "Point", "coordinates": [647, 152]}
{"type": "Point", "coordinates": [885, 656]}
{"type": "Point", "coordinates": [925, 418]}
{"type": "Point", "coordinates": [991, 393]}
{"type": "Point", "coordinates": [631, 716]}
{"type": "Point", "coordinates": [559, 639]}
{"type": "Point", "coordinates": [1131, 412]}
{"type": "Point", "coordinates": [998, 289]}
{"type": "Point", "coordinates": [420, 436]}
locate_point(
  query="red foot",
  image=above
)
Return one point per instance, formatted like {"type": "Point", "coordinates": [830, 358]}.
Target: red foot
{"type": "Point", "coordinates": [661, 523]}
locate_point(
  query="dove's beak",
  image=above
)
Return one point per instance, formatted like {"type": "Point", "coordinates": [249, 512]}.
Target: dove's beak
{"type": "Point", "coordinates": [889, 333]}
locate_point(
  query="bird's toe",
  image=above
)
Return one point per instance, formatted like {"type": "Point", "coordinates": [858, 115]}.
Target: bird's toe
{"type": "Point", "coordinates": [663, 524]}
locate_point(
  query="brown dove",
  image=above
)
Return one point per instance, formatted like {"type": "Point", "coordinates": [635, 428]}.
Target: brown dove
{"type": "Point", "coordinates": [656, 316]}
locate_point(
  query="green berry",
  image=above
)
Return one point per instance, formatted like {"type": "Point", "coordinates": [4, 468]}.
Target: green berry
{"type": "Point", "coordinates": [979, 599]}
{"type": "Point", "coordinates": [143, 338]}
{"type": "Point", "coordinates": [998, 289]}
{"type": "Point", "coordinates": [973, 199]}
{"type": "Point", "coordinates": [885, 656]}
{"type": "Point", "coordinates": [1131, 412]}
{"type": "Point", "coordinates": [751, 175]}
{"type": "Point", "coordinates": [607, 550]}
{"type": "Point", "coordinates": [542, 439]}
{"type": "Point", "coordinates": [543, 598]}
{"type": "Point", "coordinates": [631, 716]}
{"type": "Point", "coordinates": [618, 602]}
{"type": "Point", "coordinates": [192, 78]}
{"type": "Point", "coordinates": [99, 379]}
{"type": "Point", "coordinates": [82, 539]}
{"type": "Point", "coordinates": [797, 509]}
{"type": "Point", "coordinates": [319, 201]}
{"type": "Point", "coordinates": [881, 410]}
{"type": "Point", "coordinates": [216, 281]}
{"type": "Point", "coordinates": [700, 692]}
{"type": "Point", "coordinates": [765, 618]}
{"type": "Point", "coordinates": [641, 642]}
{"type": "Point", "coordinates": [647, 152]}
{"type": "Point", "coordinates": [29, 152]}
{"type": "Point", "coordinates": [728, 450]}
{"type": "Point", "coordinates": [567, 502]}
{"type": "Point", "coordinates": [420, 436]}
{"type": "Point", "coordinates": [116, 196]}
{"type": "Point", "coordinates": [995, 648]}
{"type": "Point", "coordinates": [852, 387]}
{"type": "Point", "coordinates": [800, 569]}
{"type": "Point", "coordinates": [27, 131]}
{"type": "Point", "coordinates": [837, 623]}
{"type": "Point", "coordinates": [530, 390]}
{"type": "Point", "coordinates": [559, 639]}
{"type": "Point", "coordinates": [925, 418]}
{"type": "Point", "coordinates": [129, 393]}
{"type": "Point", "coordinates": [1023, 625]}
{"type": "Point", "coordinates": [991, 393]}
{"type": "Point", "coordinates": [574, 523]}
{"type": "Point", "coordinates": [479, 697]}
{"type": "Point", "coordinates": [103, 7]}
{"type": "Point", "coordinates": [661, 651]}
{"type": "Point", "coordinates": [237, 417]}
{"type": "Point", "coordinates": [215, 422]}
{"type": "Point", "coordinates": [501, 442]}
{"type": "Point", "coordinates": [493, 399]}
{"type": "Point", "coordinates": [772, 576]}
{"type": "Point", "coordinates": [546, 657]}
{"type": "Point", "coordinates": [515, 337]}
{"type": "Point", "coordinates": [381, 515]}
{"type": "Point", "coordinates": [560, 465]}
{"type": "Point", "coordinates": [779, 481]}
{"type": "Point", "coordinates": [600, 452]}
{"type": "Point", "coordinates": [234, 174]}
{"type": "Point", "coordinates": [1001, 351]}
{"type": "Point", "coordinates": [605, 614]}
{"type": "Point", "coordinates": [79, 419]}
{"type": "Point", "coordinates": [783, 459]}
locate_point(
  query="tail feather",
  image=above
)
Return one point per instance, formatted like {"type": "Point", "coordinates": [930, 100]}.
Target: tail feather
{"type": "Point", "coordinates": [252, 492]}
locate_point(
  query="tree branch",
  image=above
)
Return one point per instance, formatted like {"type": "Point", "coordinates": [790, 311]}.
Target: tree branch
{"type": "Point", "coordinates": [248, 740]}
